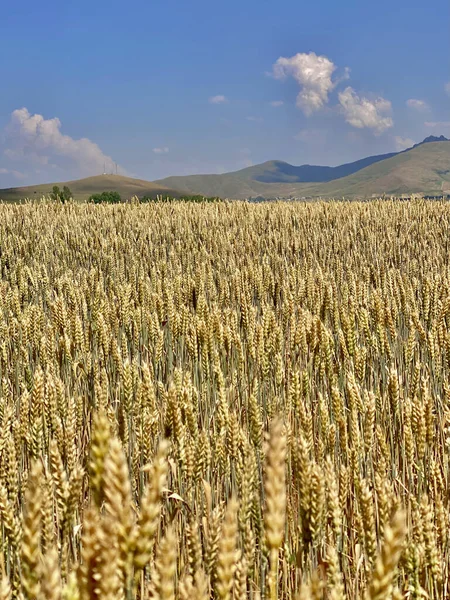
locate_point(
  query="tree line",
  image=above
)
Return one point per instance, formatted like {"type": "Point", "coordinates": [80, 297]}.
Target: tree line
{"type": "Point", "coordinates": [110, 197]}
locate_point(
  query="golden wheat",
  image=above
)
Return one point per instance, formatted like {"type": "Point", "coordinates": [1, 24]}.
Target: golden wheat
{"type": "Point", "coordinates": [225, 401]}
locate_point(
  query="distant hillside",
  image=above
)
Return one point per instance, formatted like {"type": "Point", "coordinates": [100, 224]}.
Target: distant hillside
{"type": "Point", "coordinates": [83, 188]}
{"type": "Point", "coordinates": [423, 168]}
{"type": "Point", "coordinates": [431, 138]}
{"type": "Point", "coordinates": [243, 182]}
{"type": "Point", "coordinates": [277, 171]}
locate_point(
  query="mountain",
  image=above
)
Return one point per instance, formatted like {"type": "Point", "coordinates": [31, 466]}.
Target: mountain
{"type": "Point", "coordinates": [83, 188]}
{"type": "Point", "coordinates": [276, 178]}
{"type": "Point", "coordinates": [277, 171]}
{"type": "Point", "coordinates": [431, 138]}
{"type": "Point", "coordinates": [243, 182]}
{"type": "Point", "coordinates": [425, 168]}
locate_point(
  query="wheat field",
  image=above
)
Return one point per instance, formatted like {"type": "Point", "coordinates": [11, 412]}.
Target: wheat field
{"type": "Point", "coordinates": [225, 401]}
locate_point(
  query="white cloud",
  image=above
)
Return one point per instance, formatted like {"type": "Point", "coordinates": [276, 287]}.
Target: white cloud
{"type": "Point", "coordinates": [419, 105]}
{"type": "Point", "coordinates": [33, 139]}
{"type": "Point", "coordinates": [361, 112]}
{"type": "Point", "coordinates": [402, 143]}
{"type": "Point", "coordinates": [163, 150]}
{"type": "Point", "coordinates": [447, 88]}
{"type": "Point", "coordinates": [220, 99]}
{"type": "Point", "coordinates": [255, 119]}
{"type": "Point", "coordinates": [276, 103]}
{"type": "Point", "coordinates": [313, 73]}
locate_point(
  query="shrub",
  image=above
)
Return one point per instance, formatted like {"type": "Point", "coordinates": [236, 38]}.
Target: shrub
{"type": "Point", "coordinates": [106, 197]}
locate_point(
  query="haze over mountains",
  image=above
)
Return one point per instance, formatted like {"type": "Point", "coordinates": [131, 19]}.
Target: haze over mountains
{"type": "Point", "coordinates": [424, 168]}
{"type": "Point", "coordinates": [421, 168]}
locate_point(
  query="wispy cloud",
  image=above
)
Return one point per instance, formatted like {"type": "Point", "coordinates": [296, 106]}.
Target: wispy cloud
{"type": "Point", "coordinates": [219, 99]}
{"type": "Point", "coordinates": [163, 150]}
{"type": "Point", "coordinates": [402, 143]}
{"type": "Point", "coordinates": [32, 139]}
{"type": "Point", "coordinates": [361, 112]}
{"type": "Point", "coordinates": [312, 137]}
{"type": "Point", "coordinates": [276, 103]}
{"type": "Point", "coordinates": [255, 119]}
{"type": "Point", "coordinates": [245, 158]}
{"type": "Point", "coordinates": [313, 73]}
{"type": "Point", "coordinates": [437, 124]}
{"type": "Point", "coordinates": [419, 105]}
{"type": "Point", "coordinates": [13, 172]}
{"type": "Point", "coordinates": [447, 87]}
{"type": "Point", "coordinates": [438, 127]}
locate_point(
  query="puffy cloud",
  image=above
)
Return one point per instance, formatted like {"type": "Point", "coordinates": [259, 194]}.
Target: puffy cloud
{"type": "Point", "coordinates": [361, 112]}
{"type": "Point", "coordinates": [419, 105]}
{"type": "Point", "coordinates": [276, 103]}
{"type": "Point", "coordinates": [220, 99]}
{"type": "Point", "coordinates": [402, 143]}
{"type": "Point", "coordinates": [163, 150]}
{"type": "Point", "coordinates": [33, 139]}
{"type": "Point", "coordinates": [313, 73]}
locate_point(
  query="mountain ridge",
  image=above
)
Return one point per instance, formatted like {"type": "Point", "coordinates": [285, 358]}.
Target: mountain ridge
{"type": "Point", "coordinates": [277, 171]}
{"type": "Point", "coordinates": [274, 178]}
{"type": "Point", "coordinates": [425, 176]}
{"type": "Point", "coordinates": [424, 168]}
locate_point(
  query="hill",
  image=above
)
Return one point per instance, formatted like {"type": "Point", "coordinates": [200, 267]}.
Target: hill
{"type": "Point", "coordinates": [83, 188]}
{"type": "Point", "coordinates": [423, 168]}
{"type": "Point", "coordinates": [243, 183]}
{"type": "Point", "coordinates": [277, 171]}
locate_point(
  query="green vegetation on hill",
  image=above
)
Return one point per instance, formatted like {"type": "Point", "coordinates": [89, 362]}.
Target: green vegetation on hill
{"type": "Point", "coordinates": [422, 169]}
{"type": "Point", "coordinates": [82, 189]}
{"type": "Point", "coordinates": [107, 197]}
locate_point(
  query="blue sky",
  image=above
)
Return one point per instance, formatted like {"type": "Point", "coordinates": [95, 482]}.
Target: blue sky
{"type": "Point", "coordinates": [170, 87]}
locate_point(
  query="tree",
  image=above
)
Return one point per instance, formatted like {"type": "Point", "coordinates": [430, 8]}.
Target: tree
{"type": "Point", "coordinates": [55, 193]}
{"type": "Point", "coordinates": [107, 197]}
{"type": "Point", "coordinates": [64, 195]}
